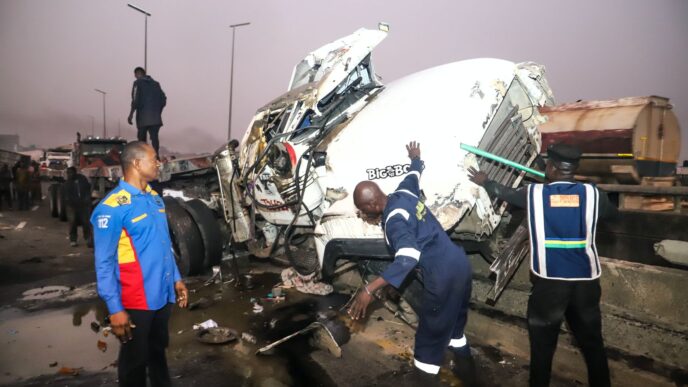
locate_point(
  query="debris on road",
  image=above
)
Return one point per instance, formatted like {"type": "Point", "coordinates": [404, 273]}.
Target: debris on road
{"type": "Point", "coordinates": [248, 338]}
{"type": "Point", "coordinates": [53, 364]}
{"type": "Point", "coordinates": [20, 225]}
{"type": "Point", "coordinates": [218, 335]}
{"type": "Point", "coordinates": [95, 327]}
{"type": "Point", "coordinates": [102, 346]}
{"type": "Point", "coordinates": [205, 325]}
{"type": "Point", "coordinates": [69, 371]}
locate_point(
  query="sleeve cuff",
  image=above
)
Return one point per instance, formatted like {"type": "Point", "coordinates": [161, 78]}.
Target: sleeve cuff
{"type": "Point", "coordinates": [114, 306]}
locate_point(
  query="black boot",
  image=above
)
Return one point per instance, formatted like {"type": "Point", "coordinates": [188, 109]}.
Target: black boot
{"type": "Point", "coordinates": [464, 369]}
{"type": "Point", "coordinates": [416, 377]}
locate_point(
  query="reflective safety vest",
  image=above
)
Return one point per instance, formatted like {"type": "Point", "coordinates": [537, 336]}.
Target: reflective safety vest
{"type": "Point", "coordinates": [562, 220]}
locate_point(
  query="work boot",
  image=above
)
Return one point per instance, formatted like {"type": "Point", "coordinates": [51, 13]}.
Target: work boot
{"type": "Point", "coordinates": [416, 377]}
{"type": "Point", "coordinates": [463, 367]}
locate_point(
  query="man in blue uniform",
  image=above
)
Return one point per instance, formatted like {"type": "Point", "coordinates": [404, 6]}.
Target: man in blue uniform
{"type": "Point", "coordinates": [418, 240]}
{"type": "Point", "coordinates": [562, 218]}
{"type": "Point", "coordinates": [137, 276]}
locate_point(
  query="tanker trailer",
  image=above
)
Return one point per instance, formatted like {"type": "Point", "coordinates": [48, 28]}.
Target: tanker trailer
{"type": "Point", "coordinates": [295, 169]}
{"type": "Point", "coordinates": [622, 140]}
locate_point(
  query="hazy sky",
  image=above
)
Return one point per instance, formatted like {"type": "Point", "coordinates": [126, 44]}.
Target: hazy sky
{"type": "Point", "coordinates": [54, 53]}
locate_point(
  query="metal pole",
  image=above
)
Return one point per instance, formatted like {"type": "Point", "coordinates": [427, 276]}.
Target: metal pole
{"type": "Point", "coordinates": [145, 45]}
{"type": "Point", "coordinates": [502, 160]}
{"type": "Point", "coordinates": [104, 120]}
{"type": "Point", "coordinates": [231, 79]}
{"type": "Point", "coordinates": [231, 87]}
{"type": "Point", "coordinates": [145, 32]}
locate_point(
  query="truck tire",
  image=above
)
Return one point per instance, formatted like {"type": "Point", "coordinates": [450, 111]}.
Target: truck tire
{"type": "Point", "coordinates": [52, 199]}
{"type": "Point", "coordinates": [210, 231]}
{"type": "Point", "coordinates": [186, 238]}
{"type": "Point", "coordinates": [61, 204]}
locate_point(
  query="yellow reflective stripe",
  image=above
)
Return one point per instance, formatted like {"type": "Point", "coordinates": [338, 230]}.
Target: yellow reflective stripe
{"type": "Point", "coordinates": [136, 219]}
{"type": "Point", "coordinates": [161, 210]}
{"type": "Point", "coordinates": [125, 250]}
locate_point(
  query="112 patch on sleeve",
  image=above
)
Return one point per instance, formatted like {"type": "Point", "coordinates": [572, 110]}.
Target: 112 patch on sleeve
{"type": "Point", "coordinates": [103, 221]}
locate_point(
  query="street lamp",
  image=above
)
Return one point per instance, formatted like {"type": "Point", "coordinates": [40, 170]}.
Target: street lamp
{"type": "Point", "coordinates": [104, 127]}
{"type": "Point", "coordinates": [145, 38]}
{"type": "Point", "coordinates": [231, 79]}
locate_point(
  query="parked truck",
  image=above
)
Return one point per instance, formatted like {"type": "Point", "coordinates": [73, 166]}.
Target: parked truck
{"type": "Point", "coordinates": [97, 159]}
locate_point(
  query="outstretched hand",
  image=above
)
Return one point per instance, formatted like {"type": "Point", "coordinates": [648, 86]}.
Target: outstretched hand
{"type": "Point", "coordinates": [413, 149]}
{"type": "Point", "coordinates": [478, 177]}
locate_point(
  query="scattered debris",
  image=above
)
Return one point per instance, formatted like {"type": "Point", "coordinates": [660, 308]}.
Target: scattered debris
{"type": "Point", "coordinates": [102, 346]}
{"type": "Point", "coordinates": [205, 325]}
{"type": "Point", "coordinates": [201, 303]}
{"type": "Point", "coordinates": [45, 292]}
{"type": "Point", "coordinates": [12, 332]}
{"type": "Point", "coordinates": [95, 327]}
{"type": "Point", "coordinates": [248, 337]}
{"type": "Point", "coordinates": [20, 225]}
{"type": "Point", "coordinates": [32, 260]}
{"type": "Point", "coordinates": [53, 364]}
{"type": "Point", "coordinates": [179, 332]}
{"type": "Point", "coordinates": [257, 308]}
{"type": "Point", "coordinates": [218, 335]}
{"type": "Point", "coordinates": [34, 208]}
{"type": "Point", "coordinates": [305, 284]}
{"type": "Point", "coordinates": [69, 371]}
{"type": "Point", "coordinates": [322, 339]}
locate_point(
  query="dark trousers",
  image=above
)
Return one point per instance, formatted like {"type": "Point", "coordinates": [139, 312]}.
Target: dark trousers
{"type": "Point", "coordinates": [153, 131]}
{"type": "Point", "coordinates": [6, 194]}
{"type": "Point", "coordinates": [79, 215]}
{"type": "Point", "coordinates": [579, 302]}
{"type": "Point", "coordinates": [146, 351]}
{"type": "Point", "coordinates": [23, 199]}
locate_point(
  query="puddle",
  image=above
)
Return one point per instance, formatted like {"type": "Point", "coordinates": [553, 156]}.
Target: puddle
{"type": "Point", "coordinates": [31, 342]}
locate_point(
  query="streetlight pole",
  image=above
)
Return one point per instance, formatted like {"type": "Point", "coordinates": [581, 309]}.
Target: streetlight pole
{"type": "Point", "coordinates": [145, 34]}
{"type": "Point", "coordinates": [231, 79]}
{"type": "Point", "coordinates": [104, 126]}
{"type": "Point", "coordinates": [93, 120]}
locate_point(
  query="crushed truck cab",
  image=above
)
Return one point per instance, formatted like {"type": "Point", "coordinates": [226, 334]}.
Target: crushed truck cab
{"type": "Point", "coordinates": [303, 153]}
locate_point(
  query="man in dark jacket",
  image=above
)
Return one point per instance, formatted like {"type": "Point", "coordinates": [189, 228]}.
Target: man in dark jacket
{"type": "Point", "coordinates": [77, 194]}
{"type": "Point", "coordinates": [147, 100]}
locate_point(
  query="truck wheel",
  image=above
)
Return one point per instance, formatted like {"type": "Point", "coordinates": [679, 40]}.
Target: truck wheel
{"type": "Point", "coordinates": [52, 200]}
{"type": "Point", "coordinates": [186, 238]}
{"type": "Point", "coordinates": [209, 228]}
{"type": "Point", "coordinates": [61, 205]}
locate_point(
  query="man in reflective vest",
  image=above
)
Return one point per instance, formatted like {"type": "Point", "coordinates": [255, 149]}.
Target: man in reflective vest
{"type": "Point", "coordinates": [417, 239]}
{"type": "Point", "coordinates": [562, 220]}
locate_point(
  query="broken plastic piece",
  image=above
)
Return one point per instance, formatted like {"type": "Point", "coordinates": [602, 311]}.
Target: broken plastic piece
{"type": "Point", "coordinates": [205, 325]}
{"type": "Point", "coordinates": [248, 337]}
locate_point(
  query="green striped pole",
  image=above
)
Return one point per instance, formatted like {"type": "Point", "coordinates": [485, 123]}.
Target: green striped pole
{"type": "Point", "coordinates": [502, 160]}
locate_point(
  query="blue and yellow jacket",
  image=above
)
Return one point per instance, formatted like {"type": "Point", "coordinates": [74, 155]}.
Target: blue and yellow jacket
{"type": "Point", "coordinates": [135, 266]}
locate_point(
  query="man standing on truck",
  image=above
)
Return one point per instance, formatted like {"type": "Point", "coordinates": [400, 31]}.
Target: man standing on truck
{"type": "Point", "coordinates": [417, 239]}
{"type": "Point", "coordinates": [562, 219]}
{"type": "Point", "coordinates": [147, 100]}
{"type": "Point", "coordinates": [137, 276]}
{"type": "Point", "coordinates": [77, 195]}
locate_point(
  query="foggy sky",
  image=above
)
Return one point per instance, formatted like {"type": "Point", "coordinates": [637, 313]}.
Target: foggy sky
{"type": "Point", "coordinates": [54, 53]}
